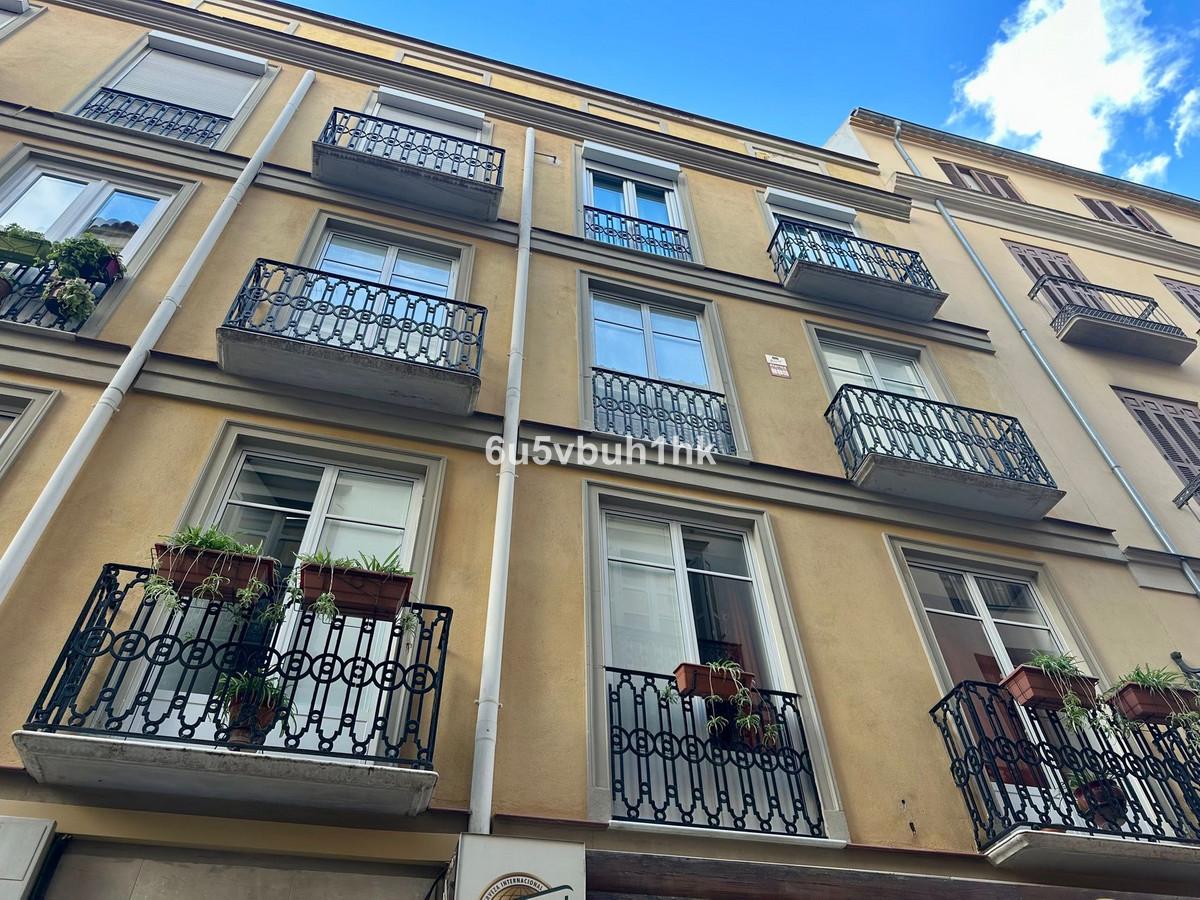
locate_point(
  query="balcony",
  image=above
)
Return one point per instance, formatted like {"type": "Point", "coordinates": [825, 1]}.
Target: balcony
{"type": "Point", "coordinates": [324, 331]}
{"type": "Point", "coordinates": [925, 450]}
{"type": "Point", "coordinates": [636, 234]}
{"type": "Point", "coordinates": [155, 117]}
{"type": "Point", "coordinates": [410, 165]}
{"type": "Point", "coordinates": [1043, 795]}
{"type": "Point", "coordinates": [24, 305]}
{"type": "Point", "coordinates": [838, 267]}
{"type": "Point", "coordinates": [1110, 319]}
{"type": "Point", "coordinates": [137, 701]}
{"type": "Point", "coordinates": [670, 768]}
{"type": "Point", "coordinates": [650, 410]}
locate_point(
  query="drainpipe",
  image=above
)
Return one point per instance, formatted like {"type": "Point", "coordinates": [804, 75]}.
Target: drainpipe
{"type": "Point", "coordinates": [1059, 386]}
{"type": "Point", "coordinates": [69, 466]}
{"type": "Point", "coordinates": [483, 770]}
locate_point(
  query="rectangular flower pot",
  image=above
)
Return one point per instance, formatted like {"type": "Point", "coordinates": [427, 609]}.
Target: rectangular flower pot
{"type": "Point", "coordinates": [1142, 704]}
{"type": "Point", "coordinates": [187, 567]}
{"type": "Point", "coordinates": [699, 680]}
{"type": "Point", "coordinates": [357, 592]}
{"type": "Point", "coordinates": [22, 250]}
{"type": "Point", "coordinates": [1033, 688]}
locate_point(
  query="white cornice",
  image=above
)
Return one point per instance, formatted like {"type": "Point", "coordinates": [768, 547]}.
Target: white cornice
{"type": "Point", "coordinates": [1052, 224]}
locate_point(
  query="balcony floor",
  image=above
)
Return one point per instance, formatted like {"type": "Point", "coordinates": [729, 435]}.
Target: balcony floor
{"type": "Point", "coordinates": [830, 284]}
{"type": "Point", "coordinates": [412, 185]}
{"type": "Point", "coordinates": [1041, 851]}
{"type": "Point", "coordinates": [244, 777]}
{"type": "Point", "coordinates": [1124, 335]}
{"type": "Point", "coordinates": [312, 365]}
{"type": "Point", "coordinates": [955, 487]}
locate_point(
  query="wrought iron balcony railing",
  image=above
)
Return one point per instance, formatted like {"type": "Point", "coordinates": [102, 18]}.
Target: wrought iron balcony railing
{"type": "Point", "coordinates": [155, 117]}
{"type": "Point", "coordinates": [650, 410]}
{"type": "Point", "coordinates": [866, 421]}
{"type": "Point", "coordinates": [637, 234]}
{"type": "Point", "coordinates": [24, 303]}
{"type": "Point", "coordinates": [1029, 768]}
{"type": "Point", "coordinates": [1190, 490]}
{"type": "Point", "coordinates": [302, 304]}
{"type": "Point", "coordinates": [804, 242]}
{"type": "Point", "coordinates": [355, 688]}
{"type": "Point", "coordinates": [1080, 298]}
{"type": "Point", "coordinates": [407, 144]}
{"type": "Point", "coordinates": [670, 767]}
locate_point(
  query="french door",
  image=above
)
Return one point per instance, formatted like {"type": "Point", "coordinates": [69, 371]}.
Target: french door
{"type": "Point", "coordinates": [824, 244]}
{"type": "Point", "coordinates": [1037, 261]}
{"type": "Point", "coordinates": [434, 142]}
{"type": "Point", "coordinates": [656, 205]}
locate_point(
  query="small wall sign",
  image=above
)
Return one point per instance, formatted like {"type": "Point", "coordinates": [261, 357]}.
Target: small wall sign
{"type": "Point", "coordinates": [778, 366]}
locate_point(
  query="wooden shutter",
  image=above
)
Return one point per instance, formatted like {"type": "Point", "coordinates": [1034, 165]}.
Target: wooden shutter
{"type": "Point", "coordinates": [184, 81]}
{"type": "Point", "coordinates": [1037, 261]}
{"type": "Point", "coordinates": [1132, 216]}
{"type": "Point", "coordinates": [1187, 294]}
{"type": "Point", "coordinates": [1145, 220]}
{"type": "Point", "coordinates": [978, 180]}
{"type": "Point", "coordinates": [951, 170]}
{"type": "Point", "coordinates": [1173, 426]}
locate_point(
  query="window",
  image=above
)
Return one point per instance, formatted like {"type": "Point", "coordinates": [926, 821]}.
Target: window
{"type": "Point", "coordinates": [395, 265]}
{"type": "Point", "coordinates": [434, 135]}
{"type": "Point", "coordinates": [1037, 261]}
{"type": "Point", "coordinates": [21, 408]}
{"type": "Point", "coordinates": [1130, 216]}
{"type": "Point", "coordinates": [1173, 426]}
{"type": "Point", "coordinates": [640, 339]}
{"type": "Point", "coordinates": [633, 201]}
{"type": "Point", "coordinates": [973, 179]}
{"type": "Point", "coordinates": [13, 13]}
{"type": "Point", "coordinates": [1187, 294]}
{"type": "Point", "coordinates": [870, 368]}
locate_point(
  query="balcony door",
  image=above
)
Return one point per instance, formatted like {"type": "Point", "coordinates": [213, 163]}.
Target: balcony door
{"type": "Point", "coordinates": [424, 140]}
{"type": "Point", "coordinates": [825, 242]}
{"type": "Point", "coordinates": [1037, 261]}
{"type": "Point", "coordinates": [653, 204]}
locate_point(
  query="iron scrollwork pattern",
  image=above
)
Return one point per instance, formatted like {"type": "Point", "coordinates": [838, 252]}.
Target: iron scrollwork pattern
{"type": "Point", "coordinates": [1021, 768]}
{"type": "Point", "coordinates": [648, 409]}
{"type": "Point", "coordinates": [358, 688]}
{"type": "Point", "coordinates": [609, 227]}
{"type": "Point", "coordinates": [24, 303]}
{"type": "Point", "coordinates": [400, 143]}
{"type": "Point", "coordinates": [1072, 299]}
{"type": "Point", "coordinates": [805, 242]}
{"type": "Point", "coordinates": [669, 768]}
{"type": "Point", "coordinates": [866, 421]}
{"type": "Point", "coordinates": [155, 117]}
{"type": "Point", "coordinates": [303, 304]}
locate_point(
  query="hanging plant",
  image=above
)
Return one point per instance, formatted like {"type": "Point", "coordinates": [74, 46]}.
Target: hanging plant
{"type": "Point", "coordinates": [208, 564]}
{"type": "Point", "coordinates": [71, 298]}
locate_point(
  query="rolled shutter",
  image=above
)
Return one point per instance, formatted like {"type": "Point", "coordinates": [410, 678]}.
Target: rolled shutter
{"type": "Point", "coordinates": [1173, 426]}
{"type": "Point", "coordinates": [183, 81]}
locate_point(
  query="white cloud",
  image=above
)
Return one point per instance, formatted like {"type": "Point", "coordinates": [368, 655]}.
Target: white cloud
{"type": "Point", "coordinates": [1153, 168]}
{"type": "Point", "coordinates": [1063, 73]}
{"type": "Point", "coordinates": [1185, 121]}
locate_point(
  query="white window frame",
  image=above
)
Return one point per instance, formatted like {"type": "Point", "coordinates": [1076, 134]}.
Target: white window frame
{"type": "Point", "coordinates": [630, 180]}
{"type": "Point", "coordinates": [394, 246]}
{"type": "Point", "coordinates": [787, 206]}
{"type": "Point", "coordinates": [20, 13]}
{"type": "Point", "coordinates": [931, 376]}
{"type": "Point", "coordinates": [27, 405]}
{"type": "Point", "coordinates": [426, 108]}
{"type": "Point", "coordinates": [711, 365]}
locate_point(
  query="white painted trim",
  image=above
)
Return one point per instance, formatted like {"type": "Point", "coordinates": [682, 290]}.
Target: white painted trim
{"type": "Point", "coordinates": [810, 206]}
{"type": "Point", "coordinates": [436, 109]}
{"type": "Point", "coordinates": [15, 6]}
{"type": "Point", "coordinates": [230, 59]}
{"type": "Point", "coordinates": [630, 161]}
{"type": "Point", "coordinates": [795, 840]}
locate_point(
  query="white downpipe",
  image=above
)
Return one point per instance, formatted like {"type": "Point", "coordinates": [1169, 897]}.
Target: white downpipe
{"type": "Point", "coordinates": [69, 466]}
{"type": "Point", "coordinates": [1059, 386]}
{"type": "Point", "coordinates": [483, 769]}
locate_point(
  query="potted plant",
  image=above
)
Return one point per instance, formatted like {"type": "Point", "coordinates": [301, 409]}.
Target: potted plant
{"type": "Point", "coordinates": [1053, 681]}
{"type": "Point", "coordinates": [724, 679]}
{"type": "Point", "coordinates": [734, 715]}
{"type": "Point", "coordinates": [208, 564]}
{"type": "Point", "coordinates": [253, 705]}
{"type": "Point", "coordinates": [71, 298]}
{"type": "Point", "coordinates": [1154, 696]}
{"type": "Point", "coordinates": [6, 285]}
{"type": "Point", "coordinates": [1098, 798]}
{"type": "Point", "coordinates": [23, 246]}
{"type": "Point", "coordinates": [85, 257]}
{"type": "Point", "coordinates": [359, 586]}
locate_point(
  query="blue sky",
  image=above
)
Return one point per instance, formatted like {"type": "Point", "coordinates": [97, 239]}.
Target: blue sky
{"type": "Point", "coordinates": [1108, 85]}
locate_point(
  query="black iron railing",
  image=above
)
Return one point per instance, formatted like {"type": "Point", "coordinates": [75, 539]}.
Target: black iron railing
{"type": "Point", "coordinates": [155, 117]}
{"type": "Point", "coordinates": [1030, 768]}
{"type": "Point", "coordinates": [1190, 490]}
{"type": "Point", "coordinates": [669, 767]}
{"type": "Point", "coordinates": [1073, 298]}
{"type": "Point", "coordinates": [302, 304]}
{"type": "Point", "coordinates": [637, 234]}
{"type": "Point", "coordinates": [651, 410]}
{"type": "Point", "coordinates": [866, 421]}
{"type": "Point", "coordinates": [24, 303]}
{"type": "Point", "coordinates": [357, 688]}
{"type": "Point", "coordinates": [407, 144]}
{"type": "Point", "coordinates": [803, 242]}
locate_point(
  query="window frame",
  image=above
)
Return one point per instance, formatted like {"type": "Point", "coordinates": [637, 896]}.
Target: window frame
{"type": "Point", "coordinates": [646, 308]}
{"type": "Point", "coordinates": [921, 355]}
{"type": "Point", "coordinates": [28, 405]}
{"type": "Point", "coordinates": [393, 249]}
{"type": "Point", "coordinates": [20, 17]}
{"type": "Point", "coordinates": [967, 173]}
{"type": "Point", "coordinates": [630, 180]}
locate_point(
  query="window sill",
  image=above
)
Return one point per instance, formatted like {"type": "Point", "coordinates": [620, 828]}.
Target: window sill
{"type": "Point", "coordinates": [794, 840]}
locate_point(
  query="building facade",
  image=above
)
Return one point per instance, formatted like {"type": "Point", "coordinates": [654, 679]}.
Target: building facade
{"type": "Point", "coordinates": [384, 299]}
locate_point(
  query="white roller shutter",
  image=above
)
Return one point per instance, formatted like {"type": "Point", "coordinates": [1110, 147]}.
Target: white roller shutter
{"type": "Point", "coordinates": [172, 78]}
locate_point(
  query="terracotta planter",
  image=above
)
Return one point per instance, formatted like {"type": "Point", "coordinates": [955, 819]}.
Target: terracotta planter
{"type": "Point", "coordinates": [187, 567]}
{"type": "Point", "coordinates": [700, 680]}
{"type": "Point", "coordinates": [240, 729]}
{"type": "Point", "coordinates": [1033, 688]}
{"type": "Point", "coordinates": [357, 592]}
{"type": "Point", "coordinates": [1101, 802]}
{"type": "Point", "coordinates": [1142, 704]}
{"type": "Point", "coordinates": [110, 271]}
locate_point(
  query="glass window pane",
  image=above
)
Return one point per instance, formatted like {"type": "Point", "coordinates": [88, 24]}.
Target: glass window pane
{"type": "Point", "coordinates": [841, 377]}
{"type": "Point", "coordinates": [727, 622]}
{"type": "Point", "coordinates": [349, 539]}
{"type": "Point", "coordinates": [965, 649]}
{"type": "Point", "coordinates": [679, 359]}
{"type": "Point", "coordinates": [1011, 600]}
{"type": "Point", "coordinates": [345, 255]}
{"type": "Point", "coordinates": [652, 204]}
{"type": "Point", "coordinates": [903, 387]}
{"type": "Point", "coordinates": [608, 193]}
{"type": "Point", "coordinates": [1021, 643]}
{"type": "Point", "coordinates": [680, 324]}
{"type": "Point", "coordinates": [608, 310]}
{"type": "Point", "coordinates": [637, 540]}
{"type": "Point", "coordinates": [120, 217]}
{"type": "Point", "coordinates": [713, 551]}
{"type": "Point", "coordinates": [279, 533]}
{"type": "Point", "coordinates": [846, 359]}
{"type": "Point", "coordinates": [43, 202]}
{"type": "Point", "coordinates": [277, 482]}
{"type": "Point", "coordinates": [895, 368]}
{"type": "Point", "coordinates": [643, 610]}
{"type": "Point", "coordinates": [620, 348]}
{"type": "Point", "coordinates": [421, 272]}
{"type": "Point", "coordinates": [942, 590]}
{"type": "Point", "coordinates": [371, 498]}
